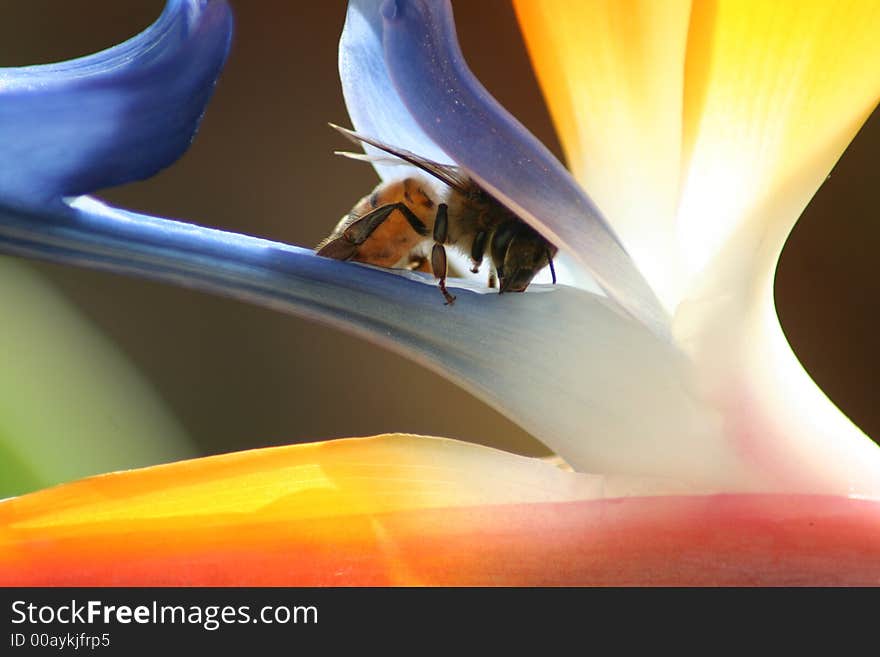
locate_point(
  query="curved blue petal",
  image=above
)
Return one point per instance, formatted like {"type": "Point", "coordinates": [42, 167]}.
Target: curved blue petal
{"type": "Point", "coordinates": [115, 116]}
{"type": "Point", "coordinates": [455, 111]}
{"type": "Point", "coordinates": [373, 104]}
{"type": "Point", "coordinates": [563, 363]}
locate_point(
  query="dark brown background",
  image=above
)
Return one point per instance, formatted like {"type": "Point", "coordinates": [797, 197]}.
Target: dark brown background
{"type": "Point", "coordinates": [239, 376]}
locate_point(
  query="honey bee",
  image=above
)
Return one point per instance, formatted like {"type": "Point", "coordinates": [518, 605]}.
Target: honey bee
{"type": "Point", "coordinates": [395, 224]}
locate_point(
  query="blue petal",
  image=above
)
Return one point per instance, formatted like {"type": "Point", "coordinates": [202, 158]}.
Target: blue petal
{"type": "Point", "coordinates": [456, 112]}
{"type": "Point", "coordinates": [561, 362]}
{"type": "Point", "coordinates": [373, 105]}
{"type": "Point", "coordinates": [113, 117]}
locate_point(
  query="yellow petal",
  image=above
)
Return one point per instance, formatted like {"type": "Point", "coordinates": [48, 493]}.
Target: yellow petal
{"type": "Point", "coordinates": [680, 121]}
{"type": "Point", "coordinates": [317, 497]}
{"type": "Point", "coordinates": [327, 479]}
{"type": "Point", "coordinates": [612, 72]}
{"type": "Point", "coordinates": [775, 91]}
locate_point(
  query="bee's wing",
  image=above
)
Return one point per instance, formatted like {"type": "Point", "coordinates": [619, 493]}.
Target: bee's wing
{"type": "Point", "coordinates": [384, 160]}
{"type": "Point", "coordinates": [451, 175]}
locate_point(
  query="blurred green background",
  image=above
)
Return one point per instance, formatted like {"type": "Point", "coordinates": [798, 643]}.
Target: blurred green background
{"type": "Point", "coordinates": [231, 376]}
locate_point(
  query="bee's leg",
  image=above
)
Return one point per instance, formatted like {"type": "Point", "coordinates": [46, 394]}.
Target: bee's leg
{"type": "Point", "coordinates": [438, 253]}
{"type": "Point", "coordinates": [438, 264]}
{"type": "Point", "coordinates": [441, 224]}
{"type": "Point", "coordinates": [478, 248]}
{"type": "Point", "coordinates": [492, 280]}
{"type": "Point", "coordinates": [412, 219]}
{"type": "Point", "coordinates": [360, 229]}
{"type": "Point", "coordinates": [344, 247]}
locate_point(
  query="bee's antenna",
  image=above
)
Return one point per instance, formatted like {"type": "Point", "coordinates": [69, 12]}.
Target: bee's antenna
{"type": "Point", "coordinates": [552, 268]}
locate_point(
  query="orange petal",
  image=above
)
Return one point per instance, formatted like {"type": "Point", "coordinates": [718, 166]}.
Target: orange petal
{"type": "Point", "coordinates": [405, 510]}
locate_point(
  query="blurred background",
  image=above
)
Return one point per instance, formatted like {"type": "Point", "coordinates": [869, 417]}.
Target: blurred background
{"type": "Point", "coordinates": [234, 376]}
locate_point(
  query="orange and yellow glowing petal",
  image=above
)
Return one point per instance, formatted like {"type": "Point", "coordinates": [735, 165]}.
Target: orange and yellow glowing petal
{"type": "Point", "coordinates": [299, 498]}
{"type": "Point", "coordinates": [612, 72]}
{"type": "Point", "coordinates": [774, 93]}
{"type": "Point", "coordinates": [411, 511]}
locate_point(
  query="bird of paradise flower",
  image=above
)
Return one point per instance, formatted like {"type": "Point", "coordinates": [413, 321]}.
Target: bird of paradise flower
{"type": "Point", "coordinates": [696, 438]}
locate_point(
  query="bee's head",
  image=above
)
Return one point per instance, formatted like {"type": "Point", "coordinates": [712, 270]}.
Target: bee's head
{"type": "Point", "coordinates": [519, 252]}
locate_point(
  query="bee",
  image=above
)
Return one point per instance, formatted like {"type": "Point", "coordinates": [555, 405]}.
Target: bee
{"type": "Point", "coordinates": [395, 225]}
